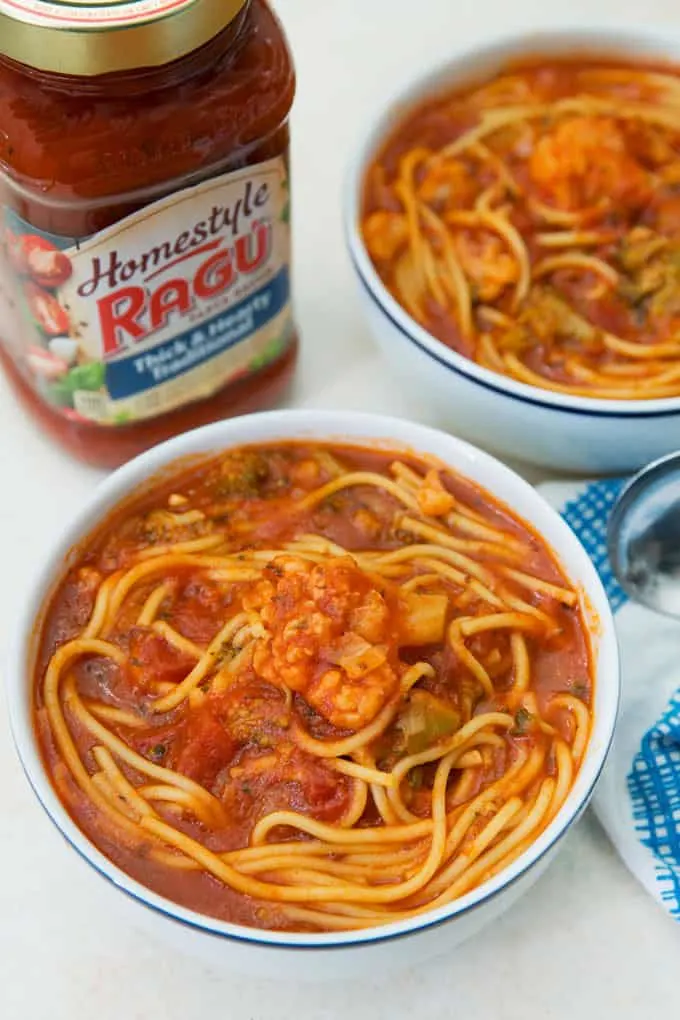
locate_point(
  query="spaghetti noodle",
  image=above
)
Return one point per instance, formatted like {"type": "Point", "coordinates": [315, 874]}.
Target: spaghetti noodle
{"type": "Point", "coordinates": [532, 223]}
{"type": "Point", "coordinates": [317, 688]}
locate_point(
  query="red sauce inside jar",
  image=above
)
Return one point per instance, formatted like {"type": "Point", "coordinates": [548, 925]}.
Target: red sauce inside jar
{"type": "Point", "coordinates": [82, 153]}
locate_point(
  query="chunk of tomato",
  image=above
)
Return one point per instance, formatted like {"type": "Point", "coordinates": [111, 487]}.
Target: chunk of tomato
{"type": "Point", "coordinates": [155, 660]}
{"type": "Point", "coordinates": [206, 748]}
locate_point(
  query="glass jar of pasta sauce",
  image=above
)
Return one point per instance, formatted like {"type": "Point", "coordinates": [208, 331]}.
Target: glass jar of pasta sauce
{"type": "Point", "coordinates": [144, 215]}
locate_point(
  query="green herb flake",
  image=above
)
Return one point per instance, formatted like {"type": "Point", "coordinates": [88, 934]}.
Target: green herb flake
{"type": "Point", "coordinates": [334, 504]}
{"type": "Point", "coordinates": [225, 654]}
{"type": "Point", "coordinates": [580, 689]}
{"type": "Point", "coordinates": [523, 719]}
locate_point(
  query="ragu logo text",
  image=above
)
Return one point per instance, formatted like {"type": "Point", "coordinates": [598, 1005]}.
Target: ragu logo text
{"type": "Point", "coordinates": [229, 243]}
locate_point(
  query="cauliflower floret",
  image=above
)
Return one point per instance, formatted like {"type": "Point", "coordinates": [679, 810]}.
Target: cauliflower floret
{"type": "Point", "coordinates": [433, 498]}
{"type": "Point", "coordinates": [584, 160]}
{"type": "Point", "coordinates": [351, 703]}
{"type": "Point", "coordinates": [448, 185]}
{"type": "Point", "coordinates": [370, 619]}
{"type": "Point", "coordinates": [385, 233]}
{"type": "Point", "coordinates": [329, 635]}
{"type": "Point", "coordinates": [487, 262]}
{"type": "Point", "coordinates": [333, 637]}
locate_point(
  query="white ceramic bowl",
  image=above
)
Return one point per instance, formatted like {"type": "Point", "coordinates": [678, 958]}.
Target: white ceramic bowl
{"type": "Point", "coordinates": [555, 430]}
{"type": "Point", "coordinates": [301, 955]}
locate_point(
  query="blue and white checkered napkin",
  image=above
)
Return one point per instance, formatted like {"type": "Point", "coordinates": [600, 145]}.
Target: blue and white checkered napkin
{"type": "Point", "coordinates": [638, 797]}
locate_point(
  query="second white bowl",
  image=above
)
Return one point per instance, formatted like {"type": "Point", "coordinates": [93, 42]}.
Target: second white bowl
{"type": "Point", "coordinates": [559, 431]}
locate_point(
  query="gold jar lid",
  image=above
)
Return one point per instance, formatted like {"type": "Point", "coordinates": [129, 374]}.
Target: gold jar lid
{"type": "Point", "coordinates": [91, 37]}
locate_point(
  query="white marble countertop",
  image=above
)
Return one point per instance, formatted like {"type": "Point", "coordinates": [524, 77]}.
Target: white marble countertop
{"type": "Point", "coordinates": [586, 941]}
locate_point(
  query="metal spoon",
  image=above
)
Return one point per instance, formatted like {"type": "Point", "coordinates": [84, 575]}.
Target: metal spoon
{"type": "Point", "coordinates": [643, 536]}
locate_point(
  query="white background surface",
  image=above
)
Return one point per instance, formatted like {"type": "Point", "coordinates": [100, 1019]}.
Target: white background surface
{"type": "Point", "coordinates": [586, 941]}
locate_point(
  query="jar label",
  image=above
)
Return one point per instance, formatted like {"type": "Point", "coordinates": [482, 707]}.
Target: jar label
{"type": "Point", "coordinates": [165, 307]}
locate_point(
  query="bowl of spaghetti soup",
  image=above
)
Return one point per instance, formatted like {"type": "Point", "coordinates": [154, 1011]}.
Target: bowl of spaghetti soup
{"type": "Point", "coordinates": [315, 681]}
{"type": "Point", "coordinates": [513, 221]}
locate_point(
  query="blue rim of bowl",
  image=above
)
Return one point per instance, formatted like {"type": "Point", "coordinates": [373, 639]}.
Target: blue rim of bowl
{"type": "Point", "coordinates": [205, 929]}
{"type": "Point", "coordinates": [580, 411]}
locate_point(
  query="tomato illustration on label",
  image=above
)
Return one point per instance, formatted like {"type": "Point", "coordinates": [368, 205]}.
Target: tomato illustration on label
{"type": "Point", "coordinates": [48, 314]}
{"type": "Point", "coordinates": [38, 258]}
{"type": "Point", "coordinates": [45, 263]}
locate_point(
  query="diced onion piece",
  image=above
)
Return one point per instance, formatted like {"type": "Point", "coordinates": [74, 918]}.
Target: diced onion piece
{"type": "Point", "coordinates": [362, 660]}
{"type": "Point", "coordinates": [423, 618]}
{"type": "Point", "coordinates": [425, 721]}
